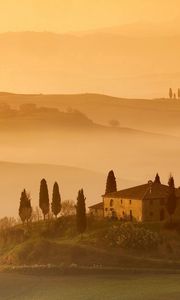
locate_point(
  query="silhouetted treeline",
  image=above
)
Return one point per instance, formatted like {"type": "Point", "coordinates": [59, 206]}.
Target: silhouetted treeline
{"type": "Point", "coordinates": [43, 115]}
{"type": "Point", "coordinates": [26, 212]}
{"type": "Point", "coordinates": [172, 95]}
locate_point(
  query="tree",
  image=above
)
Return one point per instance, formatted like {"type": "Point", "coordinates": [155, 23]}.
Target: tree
{"type": "Point", "coordinates": [157, 179]}
{"type": "Point", "coordinates": [171, 199]}
{"type": "Point", "coordinates": [25, 209]}
{"type": "Point", "coordinates": [111, 186]}
{"type": "Point", "coordinates": [36, 214]}
{"type": "Point", "coordinates": [56, 200]}
{"type": "Point", "coordinates": [81, 220]}
{"type": "Point", "coordinates": [114, 123]}
{"type": "Point", "coordinates": [44, 198]}
{"type": "Point", "coordinates": [6, 223]}
{"type": "Point", "coordinates": [170, 93]}
{"type": "Point", "coordinates": [171, 182]}
{"type": "Point", "coordinates": [179, 93]}
{"type": "Point", "coordinates": [68, 208]}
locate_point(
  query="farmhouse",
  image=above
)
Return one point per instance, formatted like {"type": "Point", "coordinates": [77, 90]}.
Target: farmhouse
{"type": "Point", "coordinates": [144, 203]}
{"type": "Point", "coordinates": [97, 210]}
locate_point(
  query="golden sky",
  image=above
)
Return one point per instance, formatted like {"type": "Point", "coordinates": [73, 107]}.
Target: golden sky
{"type": "Point", "coordinates": [67, 15]}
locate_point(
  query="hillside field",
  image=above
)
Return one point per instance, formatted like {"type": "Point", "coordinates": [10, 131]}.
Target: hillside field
{"type": "Point", "coordinates": [124, 287]}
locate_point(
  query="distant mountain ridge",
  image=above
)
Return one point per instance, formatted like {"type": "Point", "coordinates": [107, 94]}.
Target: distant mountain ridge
{"type": "Point", "coordinates": [102, 62]}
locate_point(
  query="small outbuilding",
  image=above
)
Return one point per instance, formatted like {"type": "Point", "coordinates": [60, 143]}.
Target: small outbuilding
{"type": "Point", "coordinates": [97, 210]}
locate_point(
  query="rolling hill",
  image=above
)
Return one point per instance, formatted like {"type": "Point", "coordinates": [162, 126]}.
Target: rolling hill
{"type": "Point", "coordinates": [156, 116]}
{"type": "Point", "coordinates": [134, 149]}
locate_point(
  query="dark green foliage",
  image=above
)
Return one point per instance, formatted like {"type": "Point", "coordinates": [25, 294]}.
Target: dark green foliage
{"type": "Point", "coordinates": [157, 179]}
{"type": "Point", "coordinates": [44, 198]}
{"type": "Point", "coordinates": [81, 212]}
{"type": "Point", "coordinates": [170, 93]}
{"type": "Point", "coordinates": [56, 200]}
{"type": "Point", "coordinates": [111, 186]}
{"type": "Point", "coordinates": [25, 209]}
{"type": "Point", "coordinates": [131, 236]}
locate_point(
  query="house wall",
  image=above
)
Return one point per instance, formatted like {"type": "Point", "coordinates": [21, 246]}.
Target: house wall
{"type": "Point", "coordinates": [155, 210]}
{"type": "Point", "coordinates": [96, 212]}
{"type": "Point", "coordinates": [122, 208]}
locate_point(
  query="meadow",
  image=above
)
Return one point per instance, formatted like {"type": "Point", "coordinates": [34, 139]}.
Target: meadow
{"type": "Point", "coordinates": [124, 287]}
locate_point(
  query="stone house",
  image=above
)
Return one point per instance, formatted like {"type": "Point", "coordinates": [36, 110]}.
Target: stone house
{"type": "Point", "coordinates": [97, 210]}
{"type": "Point", "coordinates": [146, 203]}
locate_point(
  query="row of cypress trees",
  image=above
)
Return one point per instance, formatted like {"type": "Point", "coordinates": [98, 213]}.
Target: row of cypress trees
{"type": "Point", "coordinates": [44, 199]}
{"type": "Point", "coordinates": [25, 208]}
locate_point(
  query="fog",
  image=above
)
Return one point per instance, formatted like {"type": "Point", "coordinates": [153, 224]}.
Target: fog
{"type": "Point", "coordinates": [78, 151]}
{"type": "Point", "coordinates": [115, 62]}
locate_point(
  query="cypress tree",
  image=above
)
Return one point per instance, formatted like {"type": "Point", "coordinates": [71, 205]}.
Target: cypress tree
{"type": "Point", "coordinates": [171, 199]}
{"type": "Point", "coordinates": [111, 186]}
{"type": "Point", "coordinates": [157, 179]}
{"type": "Point", "coordinates": [44, 198]}
{"type": "Point", "coordinates": [81, 220]}
{"type": "Point", "coordinates": [179, 93]}
{"type": "Point", "coordinates": [171, 182]}
{"type": "Point", "coordinates": [29, 208]}
{"type": "Point", "coordinates": [56, 200]}
{"type": "Point", "coordinates": [25, 209]}
{"type": "Point", "coordinates": [170, 93]}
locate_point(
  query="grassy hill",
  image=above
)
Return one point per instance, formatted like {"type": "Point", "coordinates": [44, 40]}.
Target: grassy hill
{"type": "Point", "coordinates": [59, 244]}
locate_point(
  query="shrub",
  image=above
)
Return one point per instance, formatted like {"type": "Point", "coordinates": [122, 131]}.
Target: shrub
{"type": "Point", "coordinates": [133, 236]}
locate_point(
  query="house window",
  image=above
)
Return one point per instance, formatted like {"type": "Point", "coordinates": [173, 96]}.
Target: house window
{"type": "Point", "coordinates": [111, 202]}
{"type": "Point", "coordinates": [121, 201]}
{"type": "Point", "coordinates": [151, 202]}
{"type": "Point", "coordinates": [130, 202]}
{"type": "Point", "coordinates": [106, 209]}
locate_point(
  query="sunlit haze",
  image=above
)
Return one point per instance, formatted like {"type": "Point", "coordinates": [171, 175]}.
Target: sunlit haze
{"type": "Point", "coordinates": [74, 15]}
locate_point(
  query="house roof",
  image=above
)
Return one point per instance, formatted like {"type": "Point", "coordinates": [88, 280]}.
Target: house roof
{"type": "Point", "coordinates": [150, 190]}
{"type": "Point", "coordinates": [97, 206]}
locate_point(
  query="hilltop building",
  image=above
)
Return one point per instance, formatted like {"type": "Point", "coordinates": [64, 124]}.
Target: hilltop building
{"type": "Point", "coordinates": [97, 210]}
{"type": "Point", "coordinates": [143, 203]}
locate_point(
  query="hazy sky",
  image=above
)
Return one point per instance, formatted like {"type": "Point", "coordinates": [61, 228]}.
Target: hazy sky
{"type": "Point", "coordinates": [67, 15]}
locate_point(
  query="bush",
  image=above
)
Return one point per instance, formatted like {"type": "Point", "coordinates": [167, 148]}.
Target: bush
{"type": "Point", "coordinates": [12, 236]}
{"type": "Point", "coordinates": [133, 236]}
